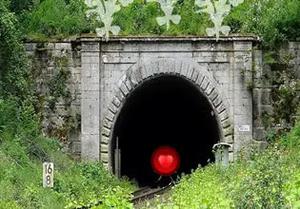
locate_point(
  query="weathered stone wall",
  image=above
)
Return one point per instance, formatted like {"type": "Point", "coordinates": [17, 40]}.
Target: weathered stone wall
{"type": "Point", "coordinates": [263, 81]}
{"type": "Point", "coordinates": [230, 73]}
{"type": "Point", "coordinates": [56, 68]}
{"type": "Point", "coordinates": [223, 71]}
{"type": "Point", "coordinates": [294, 50]}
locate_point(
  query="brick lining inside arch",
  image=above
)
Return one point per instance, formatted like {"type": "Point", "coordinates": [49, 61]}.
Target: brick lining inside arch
{"type": "Point", "coordinates": [135, 77]}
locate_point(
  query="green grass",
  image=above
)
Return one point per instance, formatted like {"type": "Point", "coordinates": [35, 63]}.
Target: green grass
{"type": "Point", "coordinates": [22, 152]}
{"type": "Point", "coordinates": [274, 21]}
{"type": "Point", "coordinates": [269, 179]}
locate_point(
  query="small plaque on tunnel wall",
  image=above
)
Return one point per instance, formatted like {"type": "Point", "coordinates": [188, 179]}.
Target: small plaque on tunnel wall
{"type": "Point", "coordinates": [244, 128]}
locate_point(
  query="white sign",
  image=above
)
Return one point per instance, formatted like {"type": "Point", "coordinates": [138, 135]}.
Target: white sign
{"type": "Point", "coordinates": [244, 128]}
{"type": "Point", "coordinates": [48, 173]}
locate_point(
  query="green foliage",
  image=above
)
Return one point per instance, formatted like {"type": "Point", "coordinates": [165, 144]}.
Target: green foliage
{"type": "Point", "coordinates": [141, 19]}
{"type": "Point", "coordinates": [14, 78]}
{"type": "Point", "coordinates": [262, 187]}
{"type": "Point", "coordinates": [57, 18]}
{"type": "Point", "coordinates": [19, 6]}
{"type": "Point", "coordinates": [23, 149]}
{"type": "Point", "coordinates": [293, 191]}
{"type": "Point", "coordinates": [274, 21]}
{"type": "Point", "coordinates": [57, 84]}
{"type": "Point", "coordinates": [202, 188]}
{"type": "Point", "coordinates": [269, 179]}
{"type": "Point", "coordinates": [77, 184]}
{"type": "Point", "coordinates": [285, 94]}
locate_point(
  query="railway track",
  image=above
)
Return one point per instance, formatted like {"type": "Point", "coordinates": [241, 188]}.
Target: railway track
{"type": "Point", "coordinates": [147, 193]}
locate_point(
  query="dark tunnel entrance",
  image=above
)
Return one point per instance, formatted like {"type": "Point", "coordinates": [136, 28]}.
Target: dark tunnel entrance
{"type": "Point", "coordinates": [166, 110]}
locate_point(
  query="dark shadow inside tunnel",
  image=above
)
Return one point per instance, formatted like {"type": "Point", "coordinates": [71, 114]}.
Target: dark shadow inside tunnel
{"type": "Point", "coordinates": [166, 110]}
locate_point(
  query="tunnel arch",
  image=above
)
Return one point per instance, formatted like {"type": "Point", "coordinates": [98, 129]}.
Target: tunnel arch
{"type": "Point", "coordinates": [135, 77]}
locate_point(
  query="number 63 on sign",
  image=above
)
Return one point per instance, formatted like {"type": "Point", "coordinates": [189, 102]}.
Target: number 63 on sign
{"type": "Point", "coordinates": [48, 173]}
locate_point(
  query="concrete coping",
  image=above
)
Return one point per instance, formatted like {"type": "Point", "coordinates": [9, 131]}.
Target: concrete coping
{"type": "Point", "coordinates": [151, 38]}
{"type": "Point", "coordinates": [249, 38]}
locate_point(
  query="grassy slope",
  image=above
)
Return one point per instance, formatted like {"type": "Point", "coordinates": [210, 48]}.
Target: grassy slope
{"type": "Point", "coordinates": [22, 152]}
{"type": "Point", "coordinates": [270, 179]}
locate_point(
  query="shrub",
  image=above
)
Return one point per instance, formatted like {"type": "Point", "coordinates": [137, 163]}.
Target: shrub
{"type": "Point", "coordinates": [14, 77]}
{"type": "Point", "coordinates": [205, 188]}
{"type": "Point", "coordinates": [22, 152]}
{"type": "Point", "coordinates": [269, 179]}
{"type": "Point", "coordinates": [57, 18]}
{"type": "Point", "coordinates": [262, 187]}
{"type": "Point", "coordinates": [141, 19]}
{"type": "Point", "coordinates": [274, 21]}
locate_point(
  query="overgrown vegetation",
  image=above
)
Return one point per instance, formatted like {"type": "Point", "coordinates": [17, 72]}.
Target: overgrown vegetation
{"type": "Point", "coordinates": [57, 18]}
{"type": "Point", "coordinates": [23, 149]}
{"type": "Point", "coordinates": [285, 92]}
{"type": "Point", "coordinates": [273, 20]}
{"type": "Point", "coordinates": [270, 179]}
{"type": "Point", "coordinates": [15, 79]}
{"type": "Point", "coordinates": [22, 152]}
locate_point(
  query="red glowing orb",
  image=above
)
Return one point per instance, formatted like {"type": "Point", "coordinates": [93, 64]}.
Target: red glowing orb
{"type": "Point", "coordinates": [165, 161]}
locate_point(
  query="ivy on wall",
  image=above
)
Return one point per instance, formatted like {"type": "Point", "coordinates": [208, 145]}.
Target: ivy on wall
{"type": "Point", "coordinates": [52, 89]}
{"type": "Point", "coordinates": [284, 84]}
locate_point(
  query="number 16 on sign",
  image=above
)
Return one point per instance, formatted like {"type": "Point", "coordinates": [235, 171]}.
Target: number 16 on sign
{"type": "Point", "coordinates": [48, 170]}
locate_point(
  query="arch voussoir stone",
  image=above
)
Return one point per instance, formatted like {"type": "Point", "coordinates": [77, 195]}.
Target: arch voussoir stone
{"type": "Point", "coordinates": [135, 76]}
{"type": "Point", "coordinates": [178, 68]}
{"type": "Point", "coordinates": [184, 70]}
{"type": "Point", "coordinates": [129, 84]}
{"type": "Point", "coordinates": [106, 131]}
{"type": "Point", "coordinates": [104, 148]}
{"type": "Point", "coordinates": [107, 123]}
{"type": "Point", "coordinates": [217, 101]}
{"type": "Point", "coordinates": [104, 140]}
{"type": "Point", "coordinates": [190, 72]}
{"type": "Point", "coordinates": [116, 101]}
{"type": "Point", "coordinates": [209, 89]}
{"type": "Point", "coordinates": [204, 84]}
{"type": "Point", "coordinates": [223, 116]}
{"type": "Point", "coordinates": [229, 139]}
{"type": "Point", "coordinates": [138, 75]}
{"type": "Point", "coordinates": [110, 116]}
{"type": "Point", "coordinates": [213, 95]}
{"type": "Point", "coordinates": [113, 108]}
{"type": "Point", "coordinates": [221, 108]}
{"type": "Point", "coordinates": [228, 131]}
{"type": "Point", "coordinates": [200, 79]}
{"type": "Point", "coordinates": [104, 156]}
{"type": "Point", "coordinates": [225, 124]}
{"type": "Point", "coordinates": [124, 89]}
{"type": "Point", "coordinates": [195, 75]}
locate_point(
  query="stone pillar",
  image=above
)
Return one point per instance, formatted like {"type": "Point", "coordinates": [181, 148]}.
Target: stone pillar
{"type": "Point", "coordinates": [261, 96]}
{"type": "Point", "coordinates": [90, 100]}
{"type": "Point", "coordinates": [242, 94]}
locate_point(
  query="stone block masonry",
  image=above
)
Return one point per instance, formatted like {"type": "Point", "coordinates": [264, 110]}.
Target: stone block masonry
{"type": "Point", "coordinates": [229, 73]}
{"type": "Point", "coordinates": [221, 70]}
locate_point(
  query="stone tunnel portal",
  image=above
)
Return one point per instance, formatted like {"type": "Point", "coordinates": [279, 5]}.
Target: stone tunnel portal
{"type": "Point", "coordinates": [165, 110]}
